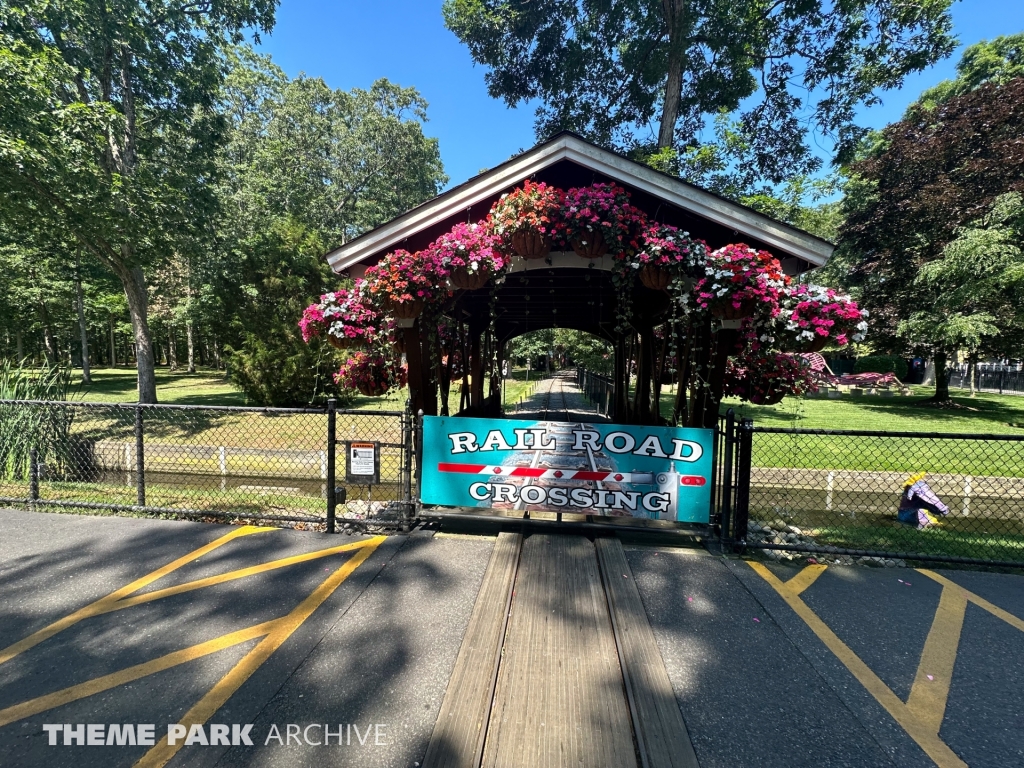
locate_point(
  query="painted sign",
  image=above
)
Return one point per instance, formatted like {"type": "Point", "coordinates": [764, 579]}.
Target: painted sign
{"type": "Point", "coordinates": [660, 473]}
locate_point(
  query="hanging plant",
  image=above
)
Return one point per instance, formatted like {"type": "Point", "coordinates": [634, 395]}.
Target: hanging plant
{"type": "Point", "coordinates": [346, 318]}
{"type": "Point", "coordinates": [371, 373]}
{"type": "Point", "coordinates": [767, 378]}
{"type": "Point", "coordinates": [815, 316]}
{"type": "Point", "coordinates": [526, 219]}
{"type": "Point", "coordinates": [599, 219]}
{"type": "Point", "coordinates": [469, 253]}
{"type": "Point", "coordinates": [402, 282]}
{"type": "Point", "coordinates": [666, 253]}
{"type": "Point", "coordinates": [739, 280]}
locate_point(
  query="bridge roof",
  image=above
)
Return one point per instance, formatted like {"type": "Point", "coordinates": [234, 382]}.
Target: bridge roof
{"type": "Point", "coordinates": [567, 160]}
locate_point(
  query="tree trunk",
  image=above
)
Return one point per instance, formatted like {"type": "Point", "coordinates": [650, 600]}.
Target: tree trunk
{"type": "Point", "coordinates": [113, 340]}
{"type": "Point", "coordinates": [941, 379]}
{"type": "Point", "coordinates": [49, 346]}
{"type": "Point", "coordinates": [138, 308]}
{"type": "Point", "coordinates": [19, 344]}
{"type": "Point", "coordinates": [673, 10]}
{"type": "Point", "coordinates": [172, 349]}
{"type": "Point", "coordinates": [972, 373]}
{"type": "Point", "coordinates": [190, 337]}
{"type": "Point", "coordinates": [82, 329]}
{"type": "Point", "coordinates": [216, 354]}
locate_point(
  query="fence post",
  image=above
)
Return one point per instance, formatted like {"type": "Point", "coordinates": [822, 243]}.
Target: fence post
{"type": "Point", "coordinates": [140, 460]}
{"type": "Point", "coordinates": [725, 505]}
{"type": "Point", "coordinates": [332, 443]}
{"type": "Point", "coordinates": [408, 505]}
{"type": "Point", "coordinates": [743, 459]}
{"type": "Point", "coordinates": [418, 442]}
{"type": "Point", "coordinates": [33, 478]}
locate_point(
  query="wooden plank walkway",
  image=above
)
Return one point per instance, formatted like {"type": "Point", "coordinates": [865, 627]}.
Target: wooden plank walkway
{"type": "Point", "coordinates": [458, 737]}
{"type": "Point", "coordinates": [559, 667]}
{"type": "Point", "coordinates": [559, 699]}
{"type": "Point", "coordinates": [660, 732]}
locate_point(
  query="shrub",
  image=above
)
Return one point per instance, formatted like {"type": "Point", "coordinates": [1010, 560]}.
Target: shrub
{"type": "Point", "coordinates": [882, 364]}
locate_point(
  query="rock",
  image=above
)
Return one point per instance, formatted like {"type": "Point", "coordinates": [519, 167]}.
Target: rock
{"type": "Point", "coordinates": [772, 554]}
{"type": "Point", "coordinates": [793, 529]}
{"type": "Point", "coordinates": [790, 537]}
{"type": "Point", "coordinates": [778, 539]}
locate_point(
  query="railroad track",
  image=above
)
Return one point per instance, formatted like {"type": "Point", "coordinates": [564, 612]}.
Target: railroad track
{"type": "Point", "coordinates": [554, 405]}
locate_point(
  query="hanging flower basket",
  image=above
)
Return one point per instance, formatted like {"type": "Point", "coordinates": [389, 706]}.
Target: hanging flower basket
{"type": "Point", "coordinates": [530, 244]}
{"type": "Point", "coordinates": [773, 397]}
{"type": "Point", "coordinates": [524, 220]}
{"type": "Point", "coordinates": [729, 310]}
{"type": "Point", "coordinates": [815, 315]}
{"type": "Point", "coordinates": [655, 278]}
{"type": "Point", "coordinates": [404, 310]}
{"type": "Point", "coordinates": [401, 283]}
{"type": "Point", "coordinates": [591, 247]}
{"type": "Point", "coordinates": [371, 373]}
{"type": "Point", "coordinates": [346, 318]}
{"type": "Point", "coordinates": [371, 390]}
{"type": "Point", "coordinates": [463, 278]}
{"type": "Point", "coordinates": [766, 378]}
{"type": "Point", "coordinates": [599, 219]}
{"type": "Point", "coordinates": [740, 281]}
{"type": "Point", "coordinates": [342, 343]}
{"type": "Point", "coordinates": [815, 345]}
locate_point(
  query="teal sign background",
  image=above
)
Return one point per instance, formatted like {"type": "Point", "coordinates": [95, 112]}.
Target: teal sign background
{"type": "Point", "coordinates": [600, 469]}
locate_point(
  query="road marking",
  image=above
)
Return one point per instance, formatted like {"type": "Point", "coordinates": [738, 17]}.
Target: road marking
{"type": "Point", "coordinates": [920, 731]}
{"type": "Point", "coordinates": [930, 690]}
{"type": "Point", "coordinates": [102, 605]}
{"type": "Point", "coordinates": [241, 573]}
{"type": "Point", "coordinates": [130, 674]}
{"type": "Point", "coordinates": [799, 583]}
{"type": "Point", "coordinates": [274, 632]}
{"type": "Point", "coordinates": [159, 755]}
{"type": "Point", "coordinates": [981, 602]}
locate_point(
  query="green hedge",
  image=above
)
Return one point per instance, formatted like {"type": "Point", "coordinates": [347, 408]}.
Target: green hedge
{"type": "Point", "coordinates": [882, 364]}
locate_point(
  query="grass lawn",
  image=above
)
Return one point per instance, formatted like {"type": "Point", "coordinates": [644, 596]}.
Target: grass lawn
{"type": "Point", "coordinates": [118, 385]}
{"type": "Point", "coordinates": [983, 414]}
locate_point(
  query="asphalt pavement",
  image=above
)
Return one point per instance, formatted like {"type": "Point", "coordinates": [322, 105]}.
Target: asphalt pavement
{"type": "Point", "coordinates": [303, 638]}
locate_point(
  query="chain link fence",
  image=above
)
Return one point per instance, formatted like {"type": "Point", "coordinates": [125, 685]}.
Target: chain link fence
{"type": "Point", "coordinates": [271, 464]}
{"type": "Point", "coordinates": [841, 492]}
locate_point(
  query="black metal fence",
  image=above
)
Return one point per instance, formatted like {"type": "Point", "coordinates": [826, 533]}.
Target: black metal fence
{"type": "Point", "coordinates": [998, 381]}
{"type": "Point", "coordinates": [273, 464]}
{"type": "Point", "coordinates": [833, 492]}
{"type": "Point", "coordinates": [598, 389]}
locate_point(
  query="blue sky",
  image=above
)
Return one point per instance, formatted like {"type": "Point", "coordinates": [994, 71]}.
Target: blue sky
{"type": "Point", "coordinates": [350, 44]}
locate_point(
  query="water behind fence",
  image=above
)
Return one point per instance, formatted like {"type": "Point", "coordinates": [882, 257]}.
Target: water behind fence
{"type": "Point", "coordinates": [839, 492]}
{"type": "Point", "coordinates": [265, 463]}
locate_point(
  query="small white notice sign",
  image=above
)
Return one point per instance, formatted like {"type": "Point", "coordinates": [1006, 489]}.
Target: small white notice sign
{"type": "Point", "coordinates": [362, 458]}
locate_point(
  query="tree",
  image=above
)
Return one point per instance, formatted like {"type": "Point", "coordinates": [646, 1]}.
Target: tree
{"type": "Point", "coordinates": [978, 286]}
{"type": "Point", "coordinates": [109, 127]}
{"type": "Point", "coordinates": [926, 177]}
{"type": "Point", "coordinates": [609, 70]}
{"type": "Point", "coordinates": [305, 167]}
{"type": "Point", "coordinates": [990, 61]}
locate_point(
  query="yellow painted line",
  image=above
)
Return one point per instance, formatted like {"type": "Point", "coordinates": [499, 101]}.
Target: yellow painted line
{"type": "Point", "coordinates": [106, 682]}
{"type": "Point", "coordinates": [920, 732]}
{"type": "Point", "coordinates": [241, 573]}
{"type": "Point", "coordinates": [103, 604]}
{"type": "Point", "coordinates": [928, 697]}
{"type": "Point", "coordinates": [215, 698]}
{"type": "Point", "coordinates": [799, 583]}
{"type": "Point", "coordinates": [981, 602]}
{"type": "Point", "coordinates": [276, 628]}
